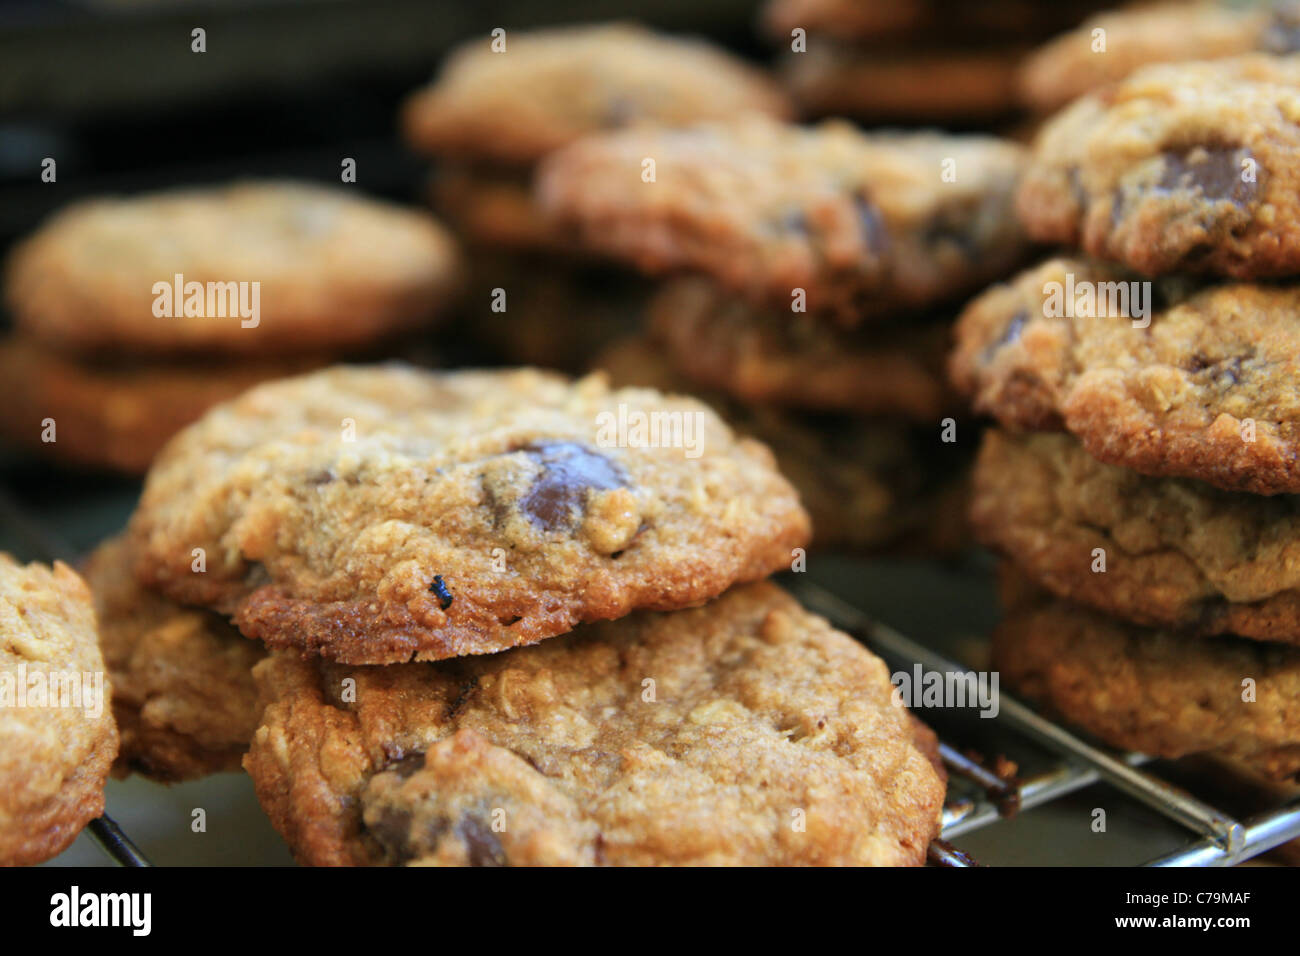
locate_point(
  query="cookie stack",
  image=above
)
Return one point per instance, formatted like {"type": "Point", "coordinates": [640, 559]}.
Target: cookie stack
{"type": "Point", "coordinates": [133, 315]}
{"type": "Point", "coordinates": [1144, 488]}
{"type": "Point", "coordinates": [808, 271]}
{"type": "Point", "coordinates": [390, 539]}
{"type": "Point", "coordinates": [911, 61]}
{"type": "Point", "coordinates": [503, 102]}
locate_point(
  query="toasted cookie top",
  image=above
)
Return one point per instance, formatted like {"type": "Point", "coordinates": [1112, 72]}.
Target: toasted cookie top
{"type": "Point", "coordinates": [1164, 552]}
{"type": "Point", "coordinates": [57, 736]}
{"type": "Point", "coordinates": [1200, 386]}
{"type": "Point", "coordinates": [183, 692]}
{"type": "Point", "coordinates": [858, 222]}
{"type": "Point", "coordinates": [1184, 167]}
{"type": "Point", "coordinates": [255, 267]}
{"type": "Point", "coordinates": [546, 88]}
{"type": "Point", "coordinates": [747, 731]}
{"type": "Point", "coordinates": [382, 514]}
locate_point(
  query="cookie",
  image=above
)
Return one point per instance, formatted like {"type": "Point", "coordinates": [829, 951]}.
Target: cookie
{"type": "Point", "coordinates": [114, 414]}
{"type": "Point", "coordinates": [550, 87]}
{"type": "Point", "coordinates": [747, 731]}
{"type": "Point", "coordinates": [57, 737]}
{"type": "Point", "coordinates": [492, 207]}
{"type": "Point", "coordinates": [1206, 390]}
{"type": "Point", "coordinates": [868, 484]}
{"type": "Point", "coordinates": [1077, 63]}
{"type": "Point", "coordinates": [892, 20]}
{"type": "Point", "coordinates": [332, 270]}
{"type": "Point", "coordinates": [1154, 691]}
{"type": "Point", "coordinates": [1178, 553]}
{"type": "Point", "coordinates": [761, 356]}
{"type": "Point", "coordinates": [183, 694]}
{"type": "Point", "coordinates": [860, 222]}
{"type": "Point", "coordinates": [384, 514]}
{"type": "Point", "coordinates": [927, 83]}
{"type": "Point", "coordinates": [1185, 167]}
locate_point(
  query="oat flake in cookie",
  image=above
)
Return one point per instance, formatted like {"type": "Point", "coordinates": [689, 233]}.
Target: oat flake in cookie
{"type": "Point", "coordinates": [696, 737]}
{"type": "Point", "coordinates": [383, 514]}
{"type": "Point", "coordinates": [57, 736]}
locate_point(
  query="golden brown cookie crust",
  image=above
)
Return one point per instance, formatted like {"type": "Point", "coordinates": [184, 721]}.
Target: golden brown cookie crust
{"type": "Point", "coordinates": [1185, 167]}
{"type": "Point", "coordinates": [863, 223]}
{"type": "Point", "coordinates": [760, 713]}
{"type": "Point", "coordinates": [335, 270]}
{"type": "Point", "coordinates": [551, 87]}
{"type": "Point", "coordinates": [1158, 692]}
{"type": "Point", "coordinates": [183, 693]}
{"type": "Point", "coordinates": [1178, 553]}
{"type": "Point", "coordinates": [54, 759]}
{"type": "Point", "coordinates": [383, 514]}
{"type": "Point", "coordinates": [1206, 391]}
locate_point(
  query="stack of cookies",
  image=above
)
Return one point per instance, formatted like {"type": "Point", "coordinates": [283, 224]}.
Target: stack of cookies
{"type": "Point", "coordinates": [340, 572]}
{"type": "Point", "coordinates": [503, 102]}
{"type": "Point", "coordinates": [133, 315]}
{"type": "Point", "coordinates": [808, 273]}
{"type": "Point", "coordinates": [911, 61]}
{"type": "Point", "coordinates": [1144, 486]}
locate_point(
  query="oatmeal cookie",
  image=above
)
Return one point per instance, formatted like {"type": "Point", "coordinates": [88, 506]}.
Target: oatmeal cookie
{"type": "Point", "coordinates": [183, 693]}
{"type": "Point", "coordinates": [1178, 553]}
{"type": "Point", "coordinates": [335, 270]}
{"type": "Point", "coordinates": [1185, 167]}
{"type": "Point", "coordinates": [551, 87]}
{"type": "Point", "coordinates": [863, 223]}
{"type": "Point", "coordinates": [747, 731]}
{"type": "Point", "coordinates": [1157, 692]}
{"type": "Point", "coordinates": [57, 736]}
{"type": "Point", "coordinates": [383, 514]}
{"type": "Point", "coordinates": [1206, 390]}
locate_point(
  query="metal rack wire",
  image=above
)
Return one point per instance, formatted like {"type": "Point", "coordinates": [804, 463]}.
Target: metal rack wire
{"type": "Point", "coordinates": [1217, 838]}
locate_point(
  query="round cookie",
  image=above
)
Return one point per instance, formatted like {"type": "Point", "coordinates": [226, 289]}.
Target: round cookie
{"type": "Point", "coordinates": [1178, 553]}
{"type": "Point", "coordinates": [551, 87]}
{"type": "Point", "coordinates": [115, 415]}
{"type": "Point", "coordinates": [861, 222]}
{"type": "Point", "coordinates": [1206, 391]}
{"type": "Point", "coordinates": [57, 737]}
{"type": "Point", "coordinates": [686, 738]}
{"type": "Point", "coordinates": [1161, 693]}
{"type": "Point", "coordinates": [1186, 167]}
{"type": "Point", "coordinates": [183, 693]}
{"type": "Point", "coordinates": [759, 355]}
{"type": "Point", "coordinates": [334, 270]}
{"type": "Point", "coordinates": [383, 514]}
{"type": "Point", "coordinates": [1072, 65]}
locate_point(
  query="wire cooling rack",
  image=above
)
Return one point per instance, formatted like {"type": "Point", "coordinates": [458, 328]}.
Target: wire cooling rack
{"type": "Point", "coordinates": [978, 797]}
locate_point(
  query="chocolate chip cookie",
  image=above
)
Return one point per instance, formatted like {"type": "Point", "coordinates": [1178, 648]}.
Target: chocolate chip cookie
{"type": "Point", "coordinates": [183, 693]}
{"type": "Point", "coordinates": [1084, 59]}
{"type": "Point", "coordinates": [760, 355]}
{"type": "Point", "coordinates": [384, 514]}
{"type": "Point", "coordinates": [252, 268]}
{"type": "Point", "coordinates": [862, 223]}
{"type": "Point", "coordinates": [1161, 693]}
{"type": "Point", "coordinates": [747, 731]}
{"type": "Point", "coordinates": [1177, 553]}
{"type": "Point", "coordinates": [115, 414]}
{"type": "Point", "coordinates": [1186, 167]}
{"type": "Point", "coordinates": [1164, 378]}
{"type": "Point", "coordinates": [547, 88]}
{"type": "Point", "coordinates": [57, 737]}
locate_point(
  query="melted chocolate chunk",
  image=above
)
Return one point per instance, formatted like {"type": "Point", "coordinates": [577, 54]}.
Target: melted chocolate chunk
{"type": "Point", "coordinates": [872, 225]}
{"type": "Point", "coordinates": [1215, 171]}
{"type": "Point", "coordinates": [407, 765]}
{"type": "Point", "coordinates": [392, 831]}
{"type": "Point", "coordinates": [483, 845]}
{"type": "Point", "coordinates": [569, 470]}
{"type": "Point", "coordinates": [1010, 334]}
{"type": "Point", "coordinates": [439, 588]}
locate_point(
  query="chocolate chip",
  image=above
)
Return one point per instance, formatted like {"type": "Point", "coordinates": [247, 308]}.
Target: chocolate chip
{"type": "Point", "coordinates": [569, 470]}
{"type": "Point", "coordinates": [392, 830]}
{"type": "Point", "coordinates": [439, 588]}
{"type": "Point", "coordinates": [407, 765]}
{"type": "Point", "coordinates": [483, 845]}
{"type": "Point", "coordinates": [1282, 35]}
{"type": "Point", "coordinates": [1010, 334]}
{"type": "Point", "coordinates": [793, 220]}
{"type": "Point", "coordinates": [871, 224]}
{"type": "Point", "coordinates": [1215, 171]}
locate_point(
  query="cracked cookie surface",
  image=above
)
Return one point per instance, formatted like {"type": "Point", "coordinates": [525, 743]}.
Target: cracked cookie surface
{"type": "Point", "coordinates": [1206, 391]}
{"type": "Point", "coordinates": [747, 731]}
{"type": "Point", "coordinates": [382, 514]}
